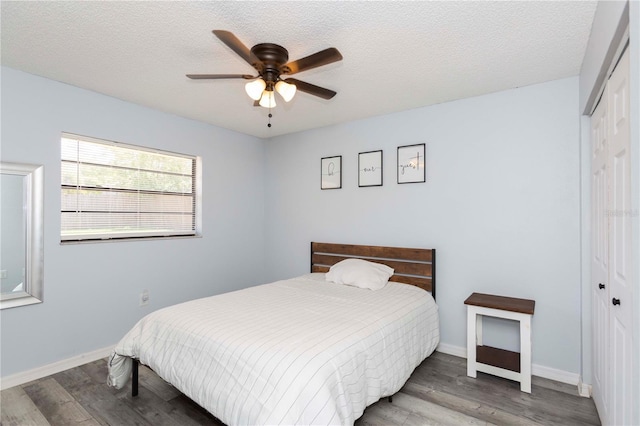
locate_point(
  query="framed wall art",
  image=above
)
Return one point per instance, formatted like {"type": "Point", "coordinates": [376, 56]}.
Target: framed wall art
{"type": "Point", "coordinates": [411, 162]}
{"type": "Point", "coordinates": [370, 168]}
{"type": "Point", "coordinates": [331, 172]}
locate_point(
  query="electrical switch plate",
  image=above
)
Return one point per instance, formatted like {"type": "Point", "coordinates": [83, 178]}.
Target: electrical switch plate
{"type": "Point", "coordinates": [144, 297]}
{"type": "Point", "coordinates": [3, 273]}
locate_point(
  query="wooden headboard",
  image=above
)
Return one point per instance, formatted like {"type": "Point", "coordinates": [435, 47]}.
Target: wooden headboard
{"type": "Point", "coordinates": [411, 266]}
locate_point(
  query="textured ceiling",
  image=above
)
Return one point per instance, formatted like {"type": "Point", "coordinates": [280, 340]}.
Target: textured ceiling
{"type": "Point", "coordinates": [397, 55]}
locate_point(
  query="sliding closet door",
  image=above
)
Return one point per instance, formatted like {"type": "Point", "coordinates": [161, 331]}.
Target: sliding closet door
{"type": "Point", "coordinates": [620, 244]}
{"type": "Point", "coordinates": [600, 258]}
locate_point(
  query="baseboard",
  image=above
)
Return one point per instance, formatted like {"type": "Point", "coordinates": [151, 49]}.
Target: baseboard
{"type": "Point", "coordinates": [536, 370]}
{"type": "Point", "coordinates": [448, 349]}
{"type": "Point", "coordinates": [65, 364]}
{"type": "Point", "coordinates": [53, 368]}
{"type": "Point", "coordinates": [555, 374]}
{"type": "Point", "coordinates": [585, 390]}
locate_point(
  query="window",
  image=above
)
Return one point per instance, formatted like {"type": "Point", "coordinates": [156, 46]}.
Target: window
{"type": "Point", "coordinates": [113, 191]}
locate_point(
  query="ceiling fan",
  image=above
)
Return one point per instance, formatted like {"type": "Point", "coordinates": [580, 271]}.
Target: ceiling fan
{"type": "Point", "coordinates": [271, 62]}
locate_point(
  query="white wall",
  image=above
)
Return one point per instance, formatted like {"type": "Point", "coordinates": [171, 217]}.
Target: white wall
{"type": "Point", "coordinates": [501, 205]}
{"type": "Point", "coordinates": [91, 290]}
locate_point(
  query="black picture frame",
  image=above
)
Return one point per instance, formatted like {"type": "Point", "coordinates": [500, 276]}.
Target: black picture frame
{"type": "Point", "coordinates": [370, 168]}
{"type": "Point", "coordinates": [331, 172]}
{"type": "Point", "coordinates": [411, 164]}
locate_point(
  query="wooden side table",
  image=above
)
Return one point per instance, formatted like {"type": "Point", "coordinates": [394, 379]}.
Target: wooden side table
{"type": "Point", "coordinates": [499, 362]}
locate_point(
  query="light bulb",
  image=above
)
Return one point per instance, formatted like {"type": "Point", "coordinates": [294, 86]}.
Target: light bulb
{"type": "Point", "coordinates": [255, 88]}
{"type": "Point", "coordinates": [268, 99]}
{"type": "Point", "coordinates": [286, 90]}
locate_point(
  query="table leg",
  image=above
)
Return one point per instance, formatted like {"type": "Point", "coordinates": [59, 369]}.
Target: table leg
{"type": "Point", "coordinates": [525, 354]}
{"type": "Point", "coordinates": [472, 323]}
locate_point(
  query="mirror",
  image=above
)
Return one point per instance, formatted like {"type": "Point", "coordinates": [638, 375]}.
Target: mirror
{"type": "Point", "coordinates": [21, 234]}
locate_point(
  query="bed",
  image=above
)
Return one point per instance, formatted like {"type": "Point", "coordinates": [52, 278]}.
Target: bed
{"type": "Point", "coordinates": [299, 351]}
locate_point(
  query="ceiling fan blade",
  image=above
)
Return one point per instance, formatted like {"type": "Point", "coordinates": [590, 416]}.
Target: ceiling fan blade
{"type": "Point", "coordinates": [324, 57]}
{"type": "Point", "coordinates": [312, 89]}
{"type": "Point", "coordinates": [218, 76]}
{"type": "Point", "coordinates": [236, 45]}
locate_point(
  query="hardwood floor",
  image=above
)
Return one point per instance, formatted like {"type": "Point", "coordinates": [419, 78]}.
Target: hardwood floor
{"type": "Point", "coordinates": [438, 393]}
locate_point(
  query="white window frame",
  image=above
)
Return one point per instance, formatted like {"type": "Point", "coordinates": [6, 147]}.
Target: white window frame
{"type": "Point", "coordinates": [138, 235]}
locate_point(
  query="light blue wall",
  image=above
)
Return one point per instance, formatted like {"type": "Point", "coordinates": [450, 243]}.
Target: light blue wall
{"type": "Point", "coordinates": [501, 205]}
{"type": "Point", "coordinates": [91, 291]}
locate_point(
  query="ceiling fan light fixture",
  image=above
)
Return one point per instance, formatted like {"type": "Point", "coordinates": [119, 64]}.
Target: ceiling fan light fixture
{"type": "Point", "coordinates": [286, 90]}
{"type": "Point", "coordinates": [255, 88]}
{"type": "Point", "coordinates": [268, 99]}
{"type": "Point", "coordinates": [271, 60]}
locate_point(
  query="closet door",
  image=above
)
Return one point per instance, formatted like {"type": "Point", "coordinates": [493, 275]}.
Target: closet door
{"type": "Point", "coordinates": [620, 260]}
{"type": "Point", "coordinates": [600, 258]}
{"type": "Point", "coordinates": [612, 298]}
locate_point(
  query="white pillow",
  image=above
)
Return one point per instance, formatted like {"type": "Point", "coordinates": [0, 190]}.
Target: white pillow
{"type": "Point", "coordinates": [360, 273]}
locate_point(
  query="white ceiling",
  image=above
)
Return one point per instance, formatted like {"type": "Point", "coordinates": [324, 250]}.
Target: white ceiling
{"type": "Point", "coordinates": [397, 55]}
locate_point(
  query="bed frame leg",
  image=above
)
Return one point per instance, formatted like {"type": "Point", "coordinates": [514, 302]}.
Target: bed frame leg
{"type": "Point", "coordinates": [134, 379]}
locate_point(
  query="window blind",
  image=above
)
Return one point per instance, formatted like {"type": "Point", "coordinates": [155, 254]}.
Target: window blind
{"type": "Point", "coordinates": [112, 191]}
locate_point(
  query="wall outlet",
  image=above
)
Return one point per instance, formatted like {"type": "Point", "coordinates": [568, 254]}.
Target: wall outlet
{"type": "Point", "coordinates": [144, 297]}
{"type": "Point", "coordinates": [3, 273]}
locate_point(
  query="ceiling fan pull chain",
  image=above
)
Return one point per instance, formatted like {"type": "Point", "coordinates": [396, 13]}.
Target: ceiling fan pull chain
{"type": "Point", "coordinates": [270, 115]}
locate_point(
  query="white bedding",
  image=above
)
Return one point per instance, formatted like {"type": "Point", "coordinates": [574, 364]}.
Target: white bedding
{"type": "Point", "coordinates": [299, 351]}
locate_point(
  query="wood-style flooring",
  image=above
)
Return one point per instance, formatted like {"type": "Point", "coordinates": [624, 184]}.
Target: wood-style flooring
{"type": "Point", "coordinates": [438, 393]}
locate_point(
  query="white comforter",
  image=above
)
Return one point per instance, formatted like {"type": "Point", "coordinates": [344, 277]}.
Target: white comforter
{"type": "Point", "coordinates": [299, 351]}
